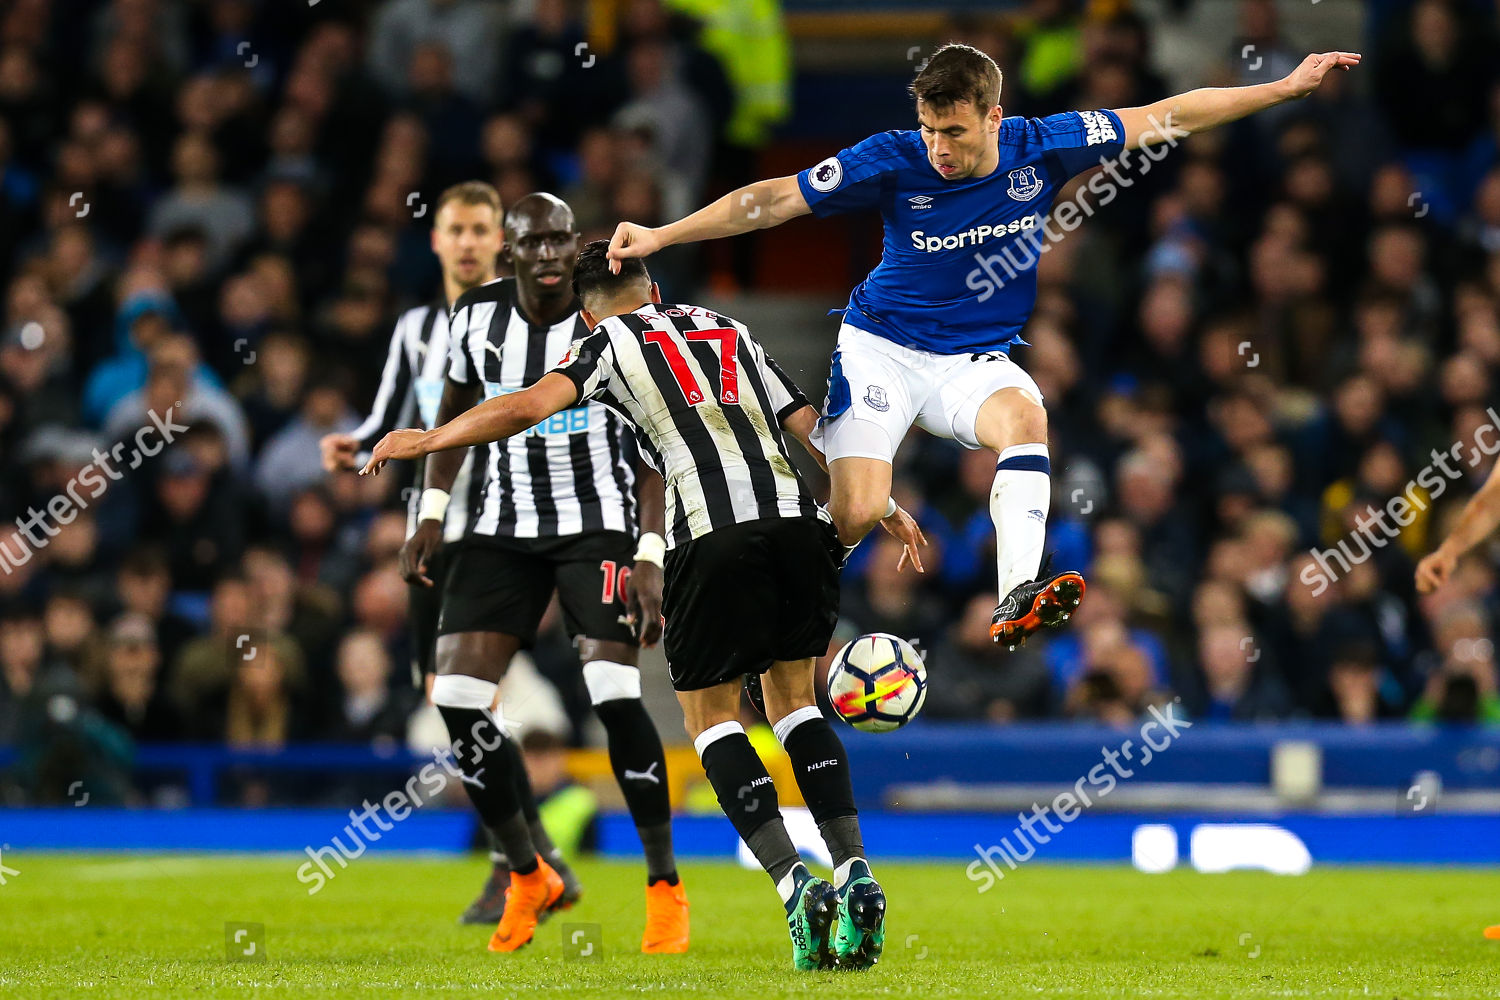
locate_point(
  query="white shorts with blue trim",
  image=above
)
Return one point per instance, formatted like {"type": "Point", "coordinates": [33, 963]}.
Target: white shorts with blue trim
{"type": "Point", "coordinates": [877, 389]}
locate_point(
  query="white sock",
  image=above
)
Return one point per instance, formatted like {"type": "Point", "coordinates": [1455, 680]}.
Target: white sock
{"type": "Point", "coordinates": [787, 887]}
{"type": "Point", "coordinates": [842, 872]}
{"type": "Point", "coordinates": [1019, 502]}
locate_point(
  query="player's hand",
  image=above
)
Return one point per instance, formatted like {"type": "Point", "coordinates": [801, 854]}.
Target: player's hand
{"type": "Point", "coordinates": [397, 444]}
{"type": "Point", "coordinates": [643, 602]}
{"type": "Point", "coordinates": [418, 552]}
{"type": "Point", "coordinates": [1434, 570]}
{"type": "Point", "coordinates": [1307, 77]}
{"type": "Point", "coordinates": [631, 240]}
{"type": "Point", "coordinates": [904, 528]}
{"type": "Point", "coordinates": [338, 451]}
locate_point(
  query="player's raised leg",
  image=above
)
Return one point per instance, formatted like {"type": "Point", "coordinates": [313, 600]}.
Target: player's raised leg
{"type": "Point", "coordinates": [822, 769]}
{"type": "Point", "coordinates": [488, 763]}
{"type": "Point", "coordinates": [859, 495]}
{"type": "Point", "coordinates": [1012, 423]}
{"type": "Point", "coordinates": [872, 400]}
{"type": "Point", "coordinates": [748, 798]}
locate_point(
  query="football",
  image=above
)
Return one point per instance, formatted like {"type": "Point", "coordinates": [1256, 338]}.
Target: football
{"type": "Point", "coordinates": [877, 683]}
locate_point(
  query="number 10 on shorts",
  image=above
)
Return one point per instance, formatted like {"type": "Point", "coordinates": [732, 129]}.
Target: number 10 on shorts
{"type": "Point", "coordinates": [616, 576]}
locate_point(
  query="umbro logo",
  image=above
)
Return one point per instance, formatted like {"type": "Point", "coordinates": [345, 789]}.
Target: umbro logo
{"type": "Point", "coordinates": [920, 202]}
{"type": "Point", "coordinates": [1037, 515]}
{"type": "Point", "coordinates": [649, 774]}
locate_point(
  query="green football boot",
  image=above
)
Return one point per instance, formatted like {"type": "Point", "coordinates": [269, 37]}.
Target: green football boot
{"type": "Point", "coordinates": [861, 931]}
{"type": "Point", "coordinates": [810, 918]}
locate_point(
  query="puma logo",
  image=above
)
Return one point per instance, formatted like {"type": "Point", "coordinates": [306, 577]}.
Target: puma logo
{"type": "Point", "coordinates": [472, 779]}
{"type": "Point", "coordinates": [649, 774]}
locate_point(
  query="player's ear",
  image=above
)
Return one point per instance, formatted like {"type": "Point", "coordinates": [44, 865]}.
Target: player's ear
{"type": "Point", "coordinates": [589, 319]}
{"type": "Point", "coordinates": [505, 254]}
{"type": "Point", "coordinates": [996, 114]}
{"type": "Point", "coordinates": [655, 293]}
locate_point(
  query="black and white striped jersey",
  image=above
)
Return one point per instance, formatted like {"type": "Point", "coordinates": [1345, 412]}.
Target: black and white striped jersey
{"type": "Point", "coordinates": [707, 402]}
{"type": "Point", "coordinates": [571, 473]}
{"type": "Point", "coordinates": [411, 386]}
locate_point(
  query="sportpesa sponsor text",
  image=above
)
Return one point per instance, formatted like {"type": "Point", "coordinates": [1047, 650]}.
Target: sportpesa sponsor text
{"type": "Point", "coordinates": [971, 237]}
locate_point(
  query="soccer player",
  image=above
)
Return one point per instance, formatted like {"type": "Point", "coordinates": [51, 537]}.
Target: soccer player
{"type": "Point", "coordinates": [1480, 517]}
{"type": "Point", "coordinates": [466, 237]}
{"type": "Point", "coordinates": [751, 568]}
{"type": "Point", "coordinates": [926, 337]}
{"type": "Point", "coordinates": [557, 510]}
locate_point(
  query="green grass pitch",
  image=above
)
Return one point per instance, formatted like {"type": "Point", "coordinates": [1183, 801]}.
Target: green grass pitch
{"type": "Point", "coordinates": [154, 926]}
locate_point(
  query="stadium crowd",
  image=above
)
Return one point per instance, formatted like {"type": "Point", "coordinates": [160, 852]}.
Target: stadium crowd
{"type": "Point", "coordinates": [208, 228]}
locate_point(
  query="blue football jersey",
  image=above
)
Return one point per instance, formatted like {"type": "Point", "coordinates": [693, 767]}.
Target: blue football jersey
{"type": "Point", "coordinates": [957, 273]}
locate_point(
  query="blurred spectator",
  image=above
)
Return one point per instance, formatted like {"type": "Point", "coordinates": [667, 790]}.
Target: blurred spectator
{"type": "Point", "coordinates": [207, 668]}
{"type": "Point", "coordinates": [132, 696]}
{"type": "Point", "coordinates": [369, 711]}
{"type": "Point", "coordinates": [1237, 686]}
{"type": "Point", "coordinates": [143, 586]}
{"type": "Point", "coordinates": [258, 713]}
{"type": "Point", "coordinates": [973, 678]}
{"type": "Point", "coordinates": [289, 462]}
{"type": "Point", "coordinates": [222, 213]}
{"type": "Point", "coordinates": [22, 645]}
{"type": "Point", "coordinates": [467, 30]}
{"type": "Point", "coordinates": [173, 389]}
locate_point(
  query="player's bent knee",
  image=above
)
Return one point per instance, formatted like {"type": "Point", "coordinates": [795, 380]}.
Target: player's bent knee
{"type": "Point", "coordinates": [1010, 417]}
{"type": "Point", "coordinates": [485, 655]}
{"type": "Point", "coordinates": [856, 517]}
{"type": "Point", "coordinates": [788, 686]}
{"type": "Point", "coordinates": [607, 649]}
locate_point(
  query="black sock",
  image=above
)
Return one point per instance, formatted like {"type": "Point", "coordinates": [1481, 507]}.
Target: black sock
{"type": "Point", "coordinates": [497, 853]}
{"type": "Point", "coordinates": [843, 838]}
{"type": "Point", "coordinates": [640, 766]}
{"type": "Point", "coordinates": [821, 766]}
{"type": "Point", "coordinates": [480, 753]}
{"type": "Point", "coordinates": [749, 800]}
{"type": "Point", "coordinates": [772, 847]}
{"type": "Point", "coordinates": [637, 758]}
{"type": "Point", "coordinates": [540, 838]}
{"type": "Point", "coordinates": [657, 843]}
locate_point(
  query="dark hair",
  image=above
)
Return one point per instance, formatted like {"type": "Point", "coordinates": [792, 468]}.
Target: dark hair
{"type": "Point", "coordinates": [592, 276]}
{"type": "Point", "coordinates": [958, 72]}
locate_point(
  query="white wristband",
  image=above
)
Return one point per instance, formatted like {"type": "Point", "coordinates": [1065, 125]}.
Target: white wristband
{"type": "Point", "coordinates": [433, 506]}
{"type": "Point", "coordinates": [652, 548]}
{"type": "Point", "coordinates": [890, 508]}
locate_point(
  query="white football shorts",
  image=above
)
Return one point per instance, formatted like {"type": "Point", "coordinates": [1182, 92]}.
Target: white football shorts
{"type": "Point", "coordinates": [877, 389]}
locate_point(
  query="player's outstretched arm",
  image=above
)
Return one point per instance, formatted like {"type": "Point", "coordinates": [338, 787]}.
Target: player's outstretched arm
{"type": "Point", "coordinates": [493, 420]}
{"type": "Point", "coordinates": [1480, 517]}
{"type": "Point", "coordinates": [1210, 107]}
{"type": "Point", "coordinates": [755, 206]}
